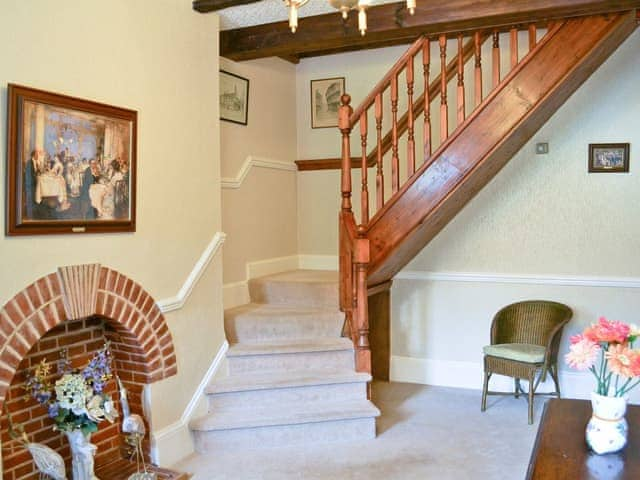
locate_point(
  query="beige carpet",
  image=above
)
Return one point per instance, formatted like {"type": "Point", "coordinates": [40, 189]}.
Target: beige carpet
{"type": "Point", "coordinates": [424, 433]}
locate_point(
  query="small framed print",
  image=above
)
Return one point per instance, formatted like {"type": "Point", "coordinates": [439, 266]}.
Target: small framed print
{"type": "Point", "coordinates": [234, 98]}
{"type": "Point", "coordinates": [608, 157]}
{"type": "Point", "coordinates": [325, 101]}
{"type": "Point", "coordinates": [71, 165]}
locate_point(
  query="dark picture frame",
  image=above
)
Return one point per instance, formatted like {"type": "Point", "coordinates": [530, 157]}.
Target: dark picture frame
{"type": "Point", "coordinates": [234, 98]}
{"type": "Point", "coordinates": [608, 157]}
{"type": "Point", "coordinates": [325, 101]}
{"type": "Point", "coordinates": [71, 165]}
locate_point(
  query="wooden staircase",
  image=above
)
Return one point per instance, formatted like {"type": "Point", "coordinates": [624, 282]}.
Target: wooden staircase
{"type": "Point", "coordinates": [417, 195]}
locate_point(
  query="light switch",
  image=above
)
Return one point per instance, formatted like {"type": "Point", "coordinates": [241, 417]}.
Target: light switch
{"type": "Point", "coordinates": [542, 148]}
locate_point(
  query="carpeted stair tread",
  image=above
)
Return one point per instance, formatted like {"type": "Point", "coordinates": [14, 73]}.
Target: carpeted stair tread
{"type": "Point", "coordinates": [268, 309]}
{"type": "Point", "coordinates": [286, 415]}
{"type": "Point", "coordinates": [303, 276]}
{"type": "Point", "coordinates": [291, 379]}
{"type": "Point", "coordinates": [281, 347]}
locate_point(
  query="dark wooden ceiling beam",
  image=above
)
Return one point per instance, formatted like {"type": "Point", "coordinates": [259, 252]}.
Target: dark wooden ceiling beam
{"type": "Point", "coordinates": [206, 6]}
{"type": "Point", "coordinates": [391, 24]}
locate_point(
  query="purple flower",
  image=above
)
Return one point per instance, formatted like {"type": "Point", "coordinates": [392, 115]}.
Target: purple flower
{"type": "Point", "coordinates": [53, 410]}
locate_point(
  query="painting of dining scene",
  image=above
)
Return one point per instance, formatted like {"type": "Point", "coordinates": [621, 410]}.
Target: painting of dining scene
{"type": "Point", "coordinates": [75, 166]}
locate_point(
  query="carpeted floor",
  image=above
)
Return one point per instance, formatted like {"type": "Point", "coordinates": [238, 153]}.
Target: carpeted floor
{"type": "Point", "coordinates": [424, 433]}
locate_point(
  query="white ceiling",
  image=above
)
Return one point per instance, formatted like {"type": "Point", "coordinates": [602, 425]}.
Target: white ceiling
{"type": "Point", "coordinates": [268, 11]}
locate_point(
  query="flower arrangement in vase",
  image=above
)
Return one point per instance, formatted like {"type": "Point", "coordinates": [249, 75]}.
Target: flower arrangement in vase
{"type": "Point", "coordinates": [77, 403]}
{"type": "Point", "coordinates": [606, 350]}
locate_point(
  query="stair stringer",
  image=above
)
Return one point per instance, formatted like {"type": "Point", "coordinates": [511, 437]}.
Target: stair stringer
{"type": "Point", "coordinates": [488, 139]}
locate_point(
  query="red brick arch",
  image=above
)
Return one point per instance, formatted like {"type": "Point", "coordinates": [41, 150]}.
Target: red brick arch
{"type": "Point", "coordinates": [81, 291]}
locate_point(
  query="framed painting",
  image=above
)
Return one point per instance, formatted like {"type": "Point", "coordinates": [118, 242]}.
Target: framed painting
{"type": "Point", "coordinates": [71, 165]}
{"type": "Point", "coordinates": [608, 157]}
{"type": "Point", "coordinates": [325, 101]}
{"type": "Point", "coordinates": [234, 98]}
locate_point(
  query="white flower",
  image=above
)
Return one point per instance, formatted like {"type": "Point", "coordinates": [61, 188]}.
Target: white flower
{"type": "Point", "coordinates": [72, 393]}
{"type": "Point", "coordinates": [94, 409]}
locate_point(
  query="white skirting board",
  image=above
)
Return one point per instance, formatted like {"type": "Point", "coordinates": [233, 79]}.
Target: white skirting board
{"type": "Point", "coordinates": [174, 442]}
{"type": "Point", "coordinates": [451, 373]}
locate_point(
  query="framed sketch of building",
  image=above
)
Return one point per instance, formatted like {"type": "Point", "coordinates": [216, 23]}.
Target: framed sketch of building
{"type": "Point", "coordinates": [325, 101]}
{"type": "Point", "coordinates": [71, 165]}
{"type": "Point", "coordinates": [234, 98]}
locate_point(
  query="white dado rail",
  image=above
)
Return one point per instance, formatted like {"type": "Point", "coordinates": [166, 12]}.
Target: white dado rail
{"type": "Point", "coordinates": [259, 162]}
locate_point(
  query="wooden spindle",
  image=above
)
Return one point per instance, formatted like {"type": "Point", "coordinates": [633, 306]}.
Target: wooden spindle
{"type": "Point", "coordinates": [364, 195]}
{"type": "Point", "coordinates": [411, 144]}
{"type": "Point", "coordinates": [395, 166]}
{"type": "Point", "coordinates": [532, 36]}
{"type": "Point", "coordinates": [496, 58]}
{"type": "Point", "coordinates": [426, 65]}
{"type": "Point", "coordinates": [461, 102]}
{"type": "Point", "coordinates": [379, 172]}
{"type": "Point", "coordinates": [477, 40]}
{"type": "Point", "coordinates": [444, 110]}
{"type": "Point", "coordinates": [344, 114]}
{"type": "Point", "coordinates": [513, 45]}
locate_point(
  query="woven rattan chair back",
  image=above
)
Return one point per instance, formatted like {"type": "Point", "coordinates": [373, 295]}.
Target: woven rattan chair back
{"type": "Point", "coordinates": [531, 321]}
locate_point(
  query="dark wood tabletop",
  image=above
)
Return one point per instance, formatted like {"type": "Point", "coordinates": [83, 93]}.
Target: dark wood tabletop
{"type": "Point", "coordinates": [561, 453]}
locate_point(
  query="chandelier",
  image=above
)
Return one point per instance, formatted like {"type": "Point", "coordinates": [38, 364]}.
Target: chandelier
{"type": "Point", "coordinates": [345, 6]}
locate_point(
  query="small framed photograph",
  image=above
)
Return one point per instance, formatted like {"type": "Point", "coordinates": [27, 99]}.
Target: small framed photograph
{"type": "Point", "coordinates": [608, 157]}
{"type": "Point", "coordinates": [71, 165]}
{"type": "Point", "coordinates": [325, 101]}
{"type": "Point", "coordinates": [234, 98]}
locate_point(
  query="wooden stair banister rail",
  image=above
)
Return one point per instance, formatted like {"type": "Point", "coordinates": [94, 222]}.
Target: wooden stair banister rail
{"type": "Point", "coordinates": [354, 245]}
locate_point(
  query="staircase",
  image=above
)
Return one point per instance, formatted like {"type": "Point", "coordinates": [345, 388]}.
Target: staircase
{"type": "Point", "coordinates": [476, 133]}
{"type": "Point", "coordinates": [291, 374]}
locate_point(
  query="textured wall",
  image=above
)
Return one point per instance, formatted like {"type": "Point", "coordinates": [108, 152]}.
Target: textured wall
{"type": "Point", "coordinates": [160, 58]}
{"type": "Point", "coordinates": [259, 217]}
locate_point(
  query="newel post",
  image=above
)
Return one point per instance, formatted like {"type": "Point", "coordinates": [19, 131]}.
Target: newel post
{"type": "Point", "coordinates": [344, 124]}
{"type": "Point", "coordinates": [361, 261]}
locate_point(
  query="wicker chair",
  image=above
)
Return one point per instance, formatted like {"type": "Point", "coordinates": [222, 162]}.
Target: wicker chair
{"type": "Point", "coordinates": [525, 338]}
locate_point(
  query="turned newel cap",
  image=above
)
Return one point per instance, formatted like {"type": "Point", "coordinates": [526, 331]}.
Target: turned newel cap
{"type": "Point", "coordinates": [345, 99]}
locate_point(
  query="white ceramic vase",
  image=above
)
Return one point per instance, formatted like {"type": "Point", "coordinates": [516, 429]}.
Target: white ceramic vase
{"type": "Point", "coordinates": [607, 429]}
{"type": "Point", "coordinates": [82, 453]}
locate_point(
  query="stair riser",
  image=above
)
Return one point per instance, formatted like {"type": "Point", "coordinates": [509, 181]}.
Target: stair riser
{"type": "Point", "coordinates": [282, 435]}
{"type": "Point", "coordinates": [317, 394]}
{"type": "Point", "coordinates": [254, 328]}
{"type": "Point", "coordinates": [325, 360]}
{"type": "Point", "coordinates": [317, 295]}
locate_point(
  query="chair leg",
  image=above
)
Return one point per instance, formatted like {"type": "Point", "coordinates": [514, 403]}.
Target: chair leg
{"type": "Point", "coordinates": [518, 389]}
{"type": "Point", "coordinates": [531, 392]}
{"type": "Point", "coordinates": [485, 389]}
{"type": "Point", "coordinates": [553, 370]}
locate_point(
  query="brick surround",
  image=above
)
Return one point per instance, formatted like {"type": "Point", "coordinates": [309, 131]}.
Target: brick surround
{"type": "Point", "coordinates": [78, 308]}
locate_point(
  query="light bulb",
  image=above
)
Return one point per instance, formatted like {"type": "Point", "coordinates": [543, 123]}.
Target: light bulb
{"type": "Point", "coordinates": [362, 20]}
{"type": "Point", "coordinates": [411, 5]}
{"type": "Point", "coordinates": [293, 17]}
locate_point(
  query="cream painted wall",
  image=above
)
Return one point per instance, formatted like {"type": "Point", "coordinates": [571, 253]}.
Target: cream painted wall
{"type": "Point", "coordinates": [260, 217]}
{"type": "Point", "coordinates": [542, 215]}
{"type": "Point", "coordinates": [160, 58]}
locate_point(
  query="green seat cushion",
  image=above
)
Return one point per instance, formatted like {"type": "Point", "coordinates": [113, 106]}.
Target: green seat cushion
{"type": "Point", "coordinates": [520, 352]}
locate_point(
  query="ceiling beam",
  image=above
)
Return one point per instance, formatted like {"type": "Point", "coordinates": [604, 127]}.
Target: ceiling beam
{"type": "Point", "coordinates": [205, 6]}
{"type": "Point", "coordinates": [391, 24]}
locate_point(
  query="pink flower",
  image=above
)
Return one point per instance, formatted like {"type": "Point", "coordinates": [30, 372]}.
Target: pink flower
{"type": "Point", "coordinates": [582, 354]}
{"type": "Point", "coordinates": [623, 361]}
{"type": "Point", "coordinates": [609, 331]}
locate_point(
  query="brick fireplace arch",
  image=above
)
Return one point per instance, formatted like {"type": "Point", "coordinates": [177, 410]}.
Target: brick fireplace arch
{"type": "Point", "coordinates": [81, 291]}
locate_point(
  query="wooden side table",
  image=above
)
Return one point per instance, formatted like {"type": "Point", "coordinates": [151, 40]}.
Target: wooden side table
{"type": "Point", "coordinates": [561, 453]}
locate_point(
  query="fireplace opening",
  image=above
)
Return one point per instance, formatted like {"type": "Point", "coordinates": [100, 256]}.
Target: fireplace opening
{"type": "Point", "coordinates": [76, 310]}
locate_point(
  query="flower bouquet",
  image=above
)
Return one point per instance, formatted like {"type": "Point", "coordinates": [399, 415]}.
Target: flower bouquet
{"type": "Point", "coordinates": [606, 350]}
{"type": "Point", "coordinates": [77, 403]}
